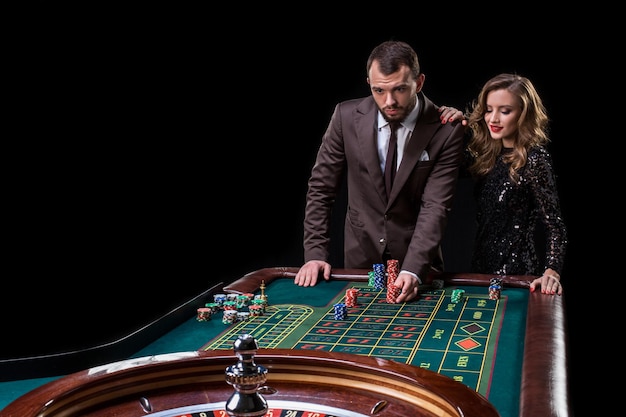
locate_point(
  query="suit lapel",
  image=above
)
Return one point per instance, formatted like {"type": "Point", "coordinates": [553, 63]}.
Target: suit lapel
{"type": "Point", "coordinates": [425, 128]}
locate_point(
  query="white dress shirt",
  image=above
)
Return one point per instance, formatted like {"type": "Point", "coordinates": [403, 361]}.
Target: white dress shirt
{"type": "Point", "coordinates": [403, 134]}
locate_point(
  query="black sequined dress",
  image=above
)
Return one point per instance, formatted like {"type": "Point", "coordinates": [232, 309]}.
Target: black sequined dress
{"type": "Point", "coordinates": [508, 216]}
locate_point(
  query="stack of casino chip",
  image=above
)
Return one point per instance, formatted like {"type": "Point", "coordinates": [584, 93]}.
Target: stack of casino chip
{"type": "Point", "coordinates": [234, 307]}
{"type": "Point", "coordinates": [213, 306]}
{"type": "Point", "coordinates": [341, 311]}
{"type": "Point", "coordinates": [457, 295]}
{"type": "Point", "coordinates": [495, 288]}
{"type": "Point", "coordinates": [229, 305]}
{"type": "Point", "coordinates": [261, 302]}
{"type": "Point", "coordinates": [242, 301]}
{"type": "Point", "coordinates": [204, 314]}
{"type": "Point", "coordinates": [379, 276]}
{"type": "Point", "coordinates": [219, 299]}
{"type": "Point", "coordinates": [351, 297]}
{"type": "Point", "coordinates": [393, 270]}
{"type": "Point", "coordinates": [256, 310]}
{"type": "Point", "coordinates": [243, 315]}
{"type": "Point", "coordinates": [370, 279]}
{"type": "Point", "coordinates": [229, 316]}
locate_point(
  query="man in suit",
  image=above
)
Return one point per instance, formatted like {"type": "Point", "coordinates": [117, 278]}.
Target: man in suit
{"type": "Point", "coordinates": [408, 225]}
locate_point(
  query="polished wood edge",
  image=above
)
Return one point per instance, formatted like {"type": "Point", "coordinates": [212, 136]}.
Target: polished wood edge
{"type": "Point", "coordinates": [98, 386]}
{"type": "Point", "coordinates": [544, 388]}
{"type": "Point", "coordinates": [63, 363]}
{"type": "Point", "coordinates": [252, 281]}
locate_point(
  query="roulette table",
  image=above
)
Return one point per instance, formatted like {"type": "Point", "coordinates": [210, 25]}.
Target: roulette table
{"type": "Point", "coordinates": [431, 356]}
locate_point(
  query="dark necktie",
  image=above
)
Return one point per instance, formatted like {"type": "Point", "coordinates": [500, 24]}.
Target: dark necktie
{"type": "Point", "coordinates": [392, 157]}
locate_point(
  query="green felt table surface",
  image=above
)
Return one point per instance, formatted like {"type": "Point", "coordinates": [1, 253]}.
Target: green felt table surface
{"type": "Point", "coordinates": [501, 375]}
{"type": "Point", "coordinates": [507, 339]}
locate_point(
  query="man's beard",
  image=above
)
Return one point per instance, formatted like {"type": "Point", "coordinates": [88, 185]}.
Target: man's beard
{"type": "Point", "coordinates": [404, 111]}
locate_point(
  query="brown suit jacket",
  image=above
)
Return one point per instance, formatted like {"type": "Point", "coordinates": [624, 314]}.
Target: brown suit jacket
{"type": "Point", "coordinates": [411, 224]}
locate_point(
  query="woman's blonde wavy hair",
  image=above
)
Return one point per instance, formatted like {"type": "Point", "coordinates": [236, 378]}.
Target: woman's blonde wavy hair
{"type": "Point", "coordinates": [532, 126]}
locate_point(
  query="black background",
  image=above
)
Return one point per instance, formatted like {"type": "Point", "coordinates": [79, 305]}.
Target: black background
{"type": "Point", "coordinates": [149, 162]}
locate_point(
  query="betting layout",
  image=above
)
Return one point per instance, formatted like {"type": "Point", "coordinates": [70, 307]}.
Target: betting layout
{"type": "Point", "coordinates": [449, 331]}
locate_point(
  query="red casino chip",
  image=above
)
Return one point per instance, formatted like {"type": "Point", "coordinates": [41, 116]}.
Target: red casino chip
{"type": "Point", "coordinates": [392, 271]}
{"type": "Point", "coordinates": [352, 295]}
{"type": "Point", "coordinates": [392, 293]}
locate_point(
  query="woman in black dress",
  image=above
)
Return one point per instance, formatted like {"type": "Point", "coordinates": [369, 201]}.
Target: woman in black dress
{"type": "Point", "coordinates": [516, 188]}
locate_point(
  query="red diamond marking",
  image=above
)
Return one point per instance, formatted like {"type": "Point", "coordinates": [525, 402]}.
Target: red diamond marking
{"type": "Point", "coordinates": [467, 344]}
